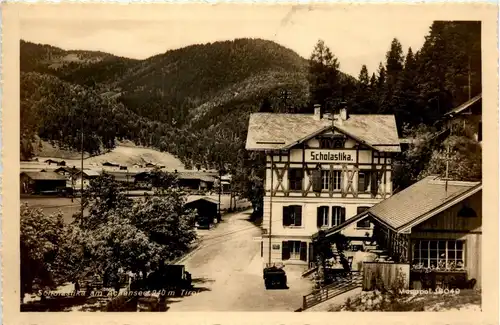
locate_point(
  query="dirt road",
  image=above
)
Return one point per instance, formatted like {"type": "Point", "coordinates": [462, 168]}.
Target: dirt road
{"type": "Point", "coordinates": [227, 269]}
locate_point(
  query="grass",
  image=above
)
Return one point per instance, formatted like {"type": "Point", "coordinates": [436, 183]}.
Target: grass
{"type": "Point", "coordinates": [465, 299]}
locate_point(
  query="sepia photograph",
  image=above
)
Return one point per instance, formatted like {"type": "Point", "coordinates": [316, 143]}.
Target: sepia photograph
{"type": "Point", "coordinates": [291, 159]}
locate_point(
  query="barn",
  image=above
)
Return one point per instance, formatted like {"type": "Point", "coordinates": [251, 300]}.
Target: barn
{"type": "Point", "coordinates": [41, 182]}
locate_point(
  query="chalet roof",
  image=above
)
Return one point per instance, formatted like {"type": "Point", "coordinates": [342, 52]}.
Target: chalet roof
{"type": "Point", "coordinates": [44, 176]}
{"type": "Point", "coordinates": [422, 200]}
{"type": "Point", "coordinates": [464, 106]}
{"type": "Point", "coordinates": [415, 204]}
{"type": "Point", "coordinates": [271, 131]}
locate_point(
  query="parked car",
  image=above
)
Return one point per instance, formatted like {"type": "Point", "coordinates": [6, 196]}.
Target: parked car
{"type": "Point", "coordinates": [275, 277]}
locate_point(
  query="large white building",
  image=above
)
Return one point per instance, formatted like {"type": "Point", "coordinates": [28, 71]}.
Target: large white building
{"type": "Point", "coordinates": [321, 170]}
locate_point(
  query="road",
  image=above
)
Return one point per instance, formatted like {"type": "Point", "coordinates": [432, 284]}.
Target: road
{"type": "Point", "coordinates": [227, 271]}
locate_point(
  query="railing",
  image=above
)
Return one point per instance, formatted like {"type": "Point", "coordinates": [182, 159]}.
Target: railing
{"type": "Point", "coordinates": [331, 291]}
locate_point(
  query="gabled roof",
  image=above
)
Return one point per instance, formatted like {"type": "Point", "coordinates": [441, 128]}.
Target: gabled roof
{"type": "Point", "coordinates": [89, 173]}
{"type": "Point", "coordinates": [271, 131]}
{"type": "Point", "coordinates": [44, 176]}
{"type": "Point", "coordinates": [464, 106]}
{"type": "Point", "coordinates": [421, 201]}
{"type": "Point", "coordinates": [414, 204]}
{"type": "Point", "coordinates": [205, 198]}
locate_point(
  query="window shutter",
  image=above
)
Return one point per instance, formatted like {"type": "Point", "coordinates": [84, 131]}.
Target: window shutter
{"type": "Point", "coordinates": [298, 215]}
{"type": "Point", "coordinates": [342, 215]}
{"type": "Point", "coordinates": [319, 220]}
{"type": "Point", "coordinates": [285, 251]}
{"type": "Point", "coordinates": [317, 182]}
{"type": "Point", "coordinates": [286, 216]}
{"type": "Point", "coordinates": [361, 182]}
{"type": "Point", "coordinates": [374, 183]}
{"type": "Point", "coordinates": [303, 251]}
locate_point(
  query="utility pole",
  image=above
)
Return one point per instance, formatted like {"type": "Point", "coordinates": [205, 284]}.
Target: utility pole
{"type": "Point", "coordinates": [447, 170]}
{"type": "Point", "coordinates": [469, 79]}
{"type": "Point", "coordinates": [271, 209]}
{"type": "Point", "coordinates": [81, 147]}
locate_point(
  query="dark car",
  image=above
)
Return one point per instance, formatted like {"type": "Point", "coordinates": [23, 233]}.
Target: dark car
{"type": "Point", "coordinates": [275, 277]}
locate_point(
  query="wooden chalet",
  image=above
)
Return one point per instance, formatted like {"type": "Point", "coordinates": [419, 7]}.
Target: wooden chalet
{"type": "Point", "coordinates": [433, 225]}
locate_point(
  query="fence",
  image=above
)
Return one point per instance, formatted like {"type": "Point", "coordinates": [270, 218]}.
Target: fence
{"type": "Point", "coordinates": [385, 272]}
{"type": "Point", "coordinates": [331, 291]}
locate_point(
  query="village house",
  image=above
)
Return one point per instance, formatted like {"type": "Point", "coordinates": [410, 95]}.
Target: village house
{"type": "Point", "coordinates": [41, 182]}
{"type": "Point", "coordinates": [86, 176]}
{"type": "Point", "coordinates": [322, 169]}
{"type": "Point", "coordinates": [434, 226]}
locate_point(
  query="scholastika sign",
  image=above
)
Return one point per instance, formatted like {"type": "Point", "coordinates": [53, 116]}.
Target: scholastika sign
{"type": "Point", "coordinates": [330, 156]}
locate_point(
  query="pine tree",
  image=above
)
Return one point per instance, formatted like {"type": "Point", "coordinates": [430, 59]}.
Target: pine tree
{"type": "Point", "coordinates": [324, 76]}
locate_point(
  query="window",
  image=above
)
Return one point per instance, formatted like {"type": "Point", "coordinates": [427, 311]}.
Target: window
{"type": "Point", "coordinates": [325, 179]}
{"type": "Point", "coordinates": [335, 142]}
{"type": "Point", "coordinates": [365, 223]}
{"type": "Point", "coordinates": [335, 177]}
{"type": "Point", "coordinates": [338, 215]}
{"type": "Point", "coordinates": [295, 177]}
{"type": "Point", "coordinates": [337, 180]}
{"type": "Point", "coordinates": [295, 250]}
{"type": "Point", "coordinates": [322, 217]}
{"type": "Point", "coordinates": [292, 216]}
{"type": "Point", "coordinates": [441, 254]}
{"type": "Point", "coordinates": [363, 181]}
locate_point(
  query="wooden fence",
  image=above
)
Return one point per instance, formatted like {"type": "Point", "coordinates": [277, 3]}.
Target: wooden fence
{"type": "Point", "coordinates": [331, 291]}
{"type": "Point", "coordinates": [384, 273]}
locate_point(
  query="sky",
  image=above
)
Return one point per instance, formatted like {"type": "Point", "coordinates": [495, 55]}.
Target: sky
{"type": "Point", "coordinates": [355, 35]}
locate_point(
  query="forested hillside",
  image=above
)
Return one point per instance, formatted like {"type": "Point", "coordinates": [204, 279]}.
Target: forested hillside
{"type": "Point", "coordinates": [194, 102]}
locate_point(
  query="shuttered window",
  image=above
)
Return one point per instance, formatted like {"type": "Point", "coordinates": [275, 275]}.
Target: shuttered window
{"type": "Point", "coordinates": [364, 181]}
{"type": "Point", "coordinates": [295, 179]}
{"type": "Point", "coordinates": [338, 215]}
{"type": "Point", "coordinates": [292, 215]}
{"type": "Point", "coordinates": [317, 180]}
{"type": "Point", "coordinates": [322, 217]}
{"type": "Point", "coordinates": [297, 250]}
{"type": "Point", "coordinates": [285, 250]}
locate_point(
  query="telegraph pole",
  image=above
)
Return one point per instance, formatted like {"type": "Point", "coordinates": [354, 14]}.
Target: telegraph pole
{"type": "Point", "coordinates": [271, 209]}
{"type": "Point", "coordinates": [81, 182]}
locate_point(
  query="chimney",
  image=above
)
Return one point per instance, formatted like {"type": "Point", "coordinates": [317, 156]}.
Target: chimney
{"type": "Point", "coordinates": [343, 114]}
{"type": "Point", "coordinates": [317, 112]}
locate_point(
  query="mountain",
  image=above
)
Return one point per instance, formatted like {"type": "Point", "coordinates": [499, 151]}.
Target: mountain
{"type": "Point", "coordinates": [169, 101]}
{"type": "Point", "coordinates": [87, 68]}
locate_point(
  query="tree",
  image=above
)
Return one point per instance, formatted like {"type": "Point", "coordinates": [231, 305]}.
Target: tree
{"type": "Point", "coordinates": [324, 76]}
{"type": "Point", "coordinates": [120, 235]}
{"type": "Point", "coordinates": [41, 238]}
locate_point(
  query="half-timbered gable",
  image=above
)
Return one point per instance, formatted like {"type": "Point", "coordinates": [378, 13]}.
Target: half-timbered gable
{"type": "Point", "coordinates": [325, 169]}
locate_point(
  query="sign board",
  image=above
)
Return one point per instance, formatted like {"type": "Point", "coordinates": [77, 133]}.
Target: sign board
{"type": "Point", "coordinates": [276, 246]}
{"type": "Point", "coordinates": [330, 156]}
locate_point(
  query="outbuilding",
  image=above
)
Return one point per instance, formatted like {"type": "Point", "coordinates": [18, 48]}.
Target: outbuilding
{"type": "Point", "coordinates": [40, 182]}
{"type": "Point", "coordinates": [206, 211]}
